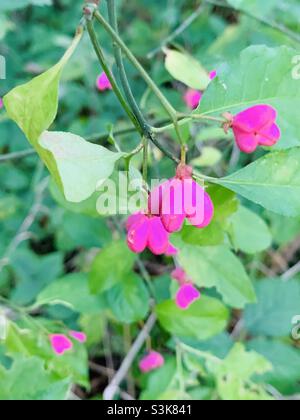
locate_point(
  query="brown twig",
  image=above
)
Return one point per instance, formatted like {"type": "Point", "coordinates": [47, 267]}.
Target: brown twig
{"type": "Point", "coordinates": [127, 346]}
{"type": "Point", "coordinates": [113, 387]}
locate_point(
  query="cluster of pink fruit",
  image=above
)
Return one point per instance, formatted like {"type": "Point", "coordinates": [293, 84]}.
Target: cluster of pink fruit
{"type": "Point", "coordinates": [169, 205]}
{"type": "Point", "coordinates": [181, 198]}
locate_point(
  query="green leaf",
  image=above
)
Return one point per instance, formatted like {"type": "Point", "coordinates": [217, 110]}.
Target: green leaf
{"type": "Point", "coordinates": [160, 381]}
{"type": "Point", "coordinates": [33, 273]}
{"type": "Point", "coordinates": [278, 303]}
{"type": "Point", "coordinates": [80, 231]}
{"type": "Point", "coordinates": [272, 181]}
{"type": "Point", "coordinates": [212, 235]}
{"type": "Point", "coordinates": [71, 291]}
{"type": "Point", "coordinates": [218, 267]}
{"type": "Point", "coordinates": [110, 266]}
{"type": "Point", "coordinates": [33, 106]}
{"type": "Point", "coordinates": [225, 203]}
{"type": "Point", "coordinates": [219, 346]}
{"type": "Point", "coordinates": [129, 300]}
{"type": "Point", "coordinates": [204, 319]}
{"type": "Point", "coordinates": [291, 228]}
{"type": "Point", "coordinates": [186, 69]}
{"type": "Point", "coordinates": [235, 372]}
{"type": "Point", "coordinates": [34, 342]}
{"type": "Point", "coordinates": [261, 76]}
{"type": "Point", "coordinates": [87, 207]}
{"type": "Point", "coordinates": [285, 360]}
{"type": "Point", "coordinates": [256, 7]}
{"type": "Point", "coordinates": [82, 166]}
{"type": "Point", "coordinates": [93, 325]}
{"type": "Point", "coordinates": [28, 379]}
{"type": "Point", "coordinates": [249, 232]}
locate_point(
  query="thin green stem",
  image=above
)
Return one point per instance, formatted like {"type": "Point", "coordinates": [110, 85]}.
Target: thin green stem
{"type": "Point", "coordinates": [94, 138]}
{"type": "Point", "coordinates": [112, 15]}
{"type": "Point", "coordinates": [163, 149]}
{"type": "Point", "coordinates": [177, 130]}
{"type": "Point", "coordinates": [109, 74]}
{"type": "Point", "coordinates": [184, 119]}
{"type": "Point", "coordinates": [145, 159]}
{"type": "Point", "coordinates": [25, 313]}
{"type": "Point", "coordinates": [180, 369]}
{"type": "Point", "coordinates": [17, 155]}
{"type": "Point", "coordinates": [170, 126]}
{"type": "Point", "coordinates": [134, 152]}
{"type": "Point", "coordinates": [97, 137]}
{"type": "Point", "coordinates": [119, 46]}
{"type": "Point", "coordinates": [152, 85]}
{"type": "Point", "coordinates": [183, 27]}
{"type": "Point", "coordinates": [146, 276]}
{"type": "Point", "coordinates": [199, 353]}
{"type": "Point", "coordinates": [183, 154]}
{"type": "Point", "coordinates": [201, 117]}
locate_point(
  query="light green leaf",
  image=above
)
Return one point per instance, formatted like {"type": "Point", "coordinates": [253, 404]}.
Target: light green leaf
{"type": "Point", "coordinates": [244, 364]}
{"type": "Point", "coordinates": [261, 76]}
{"type": "Point", "coordinates": [204, 319]}
{"type": "Point", "coordinates": [278, 303]}
{"type": "Point", "coordinates": [286, 361]}
{"type": "Point", "coordinates": [34, 342]}
{"type": "Point", "coordinates": [186, 69]}
{"type": "Point", "coordinates": [33, 106]}
{"type": "Point", "coordinates": [225, 203]}
{"type": "Point", "coordinates": [249, 232]}
{"type": "Point", "coordinates": [110, 266]}
{"type": "Point", "coordinates": [212, 235]}
{"type": "Point", "coordinates": [87, 207]}
{"type": "Point", "coordinates": [82, 166]}
{"type": "Point", "coordinates": [235, 372]}
{"type": "Point", "coordinates": [28, 380]}
{"type": "Point", "coordinates": [272, 181]}
{"type": "Point", "coordinates": [218, 267]}
{"type": "Point", "coordinates": [129, 300]}
{"type": "Point", "coordinates": [71, 291]}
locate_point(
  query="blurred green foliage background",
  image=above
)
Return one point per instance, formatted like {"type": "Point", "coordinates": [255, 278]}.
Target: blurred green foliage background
{"type": "Point", "coordinates": [60, 241]}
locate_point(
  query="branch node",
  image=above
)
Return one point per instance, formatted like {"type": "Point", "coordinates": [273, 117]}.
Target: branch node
{"type": "Point", "coordinates": [89, 10]}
